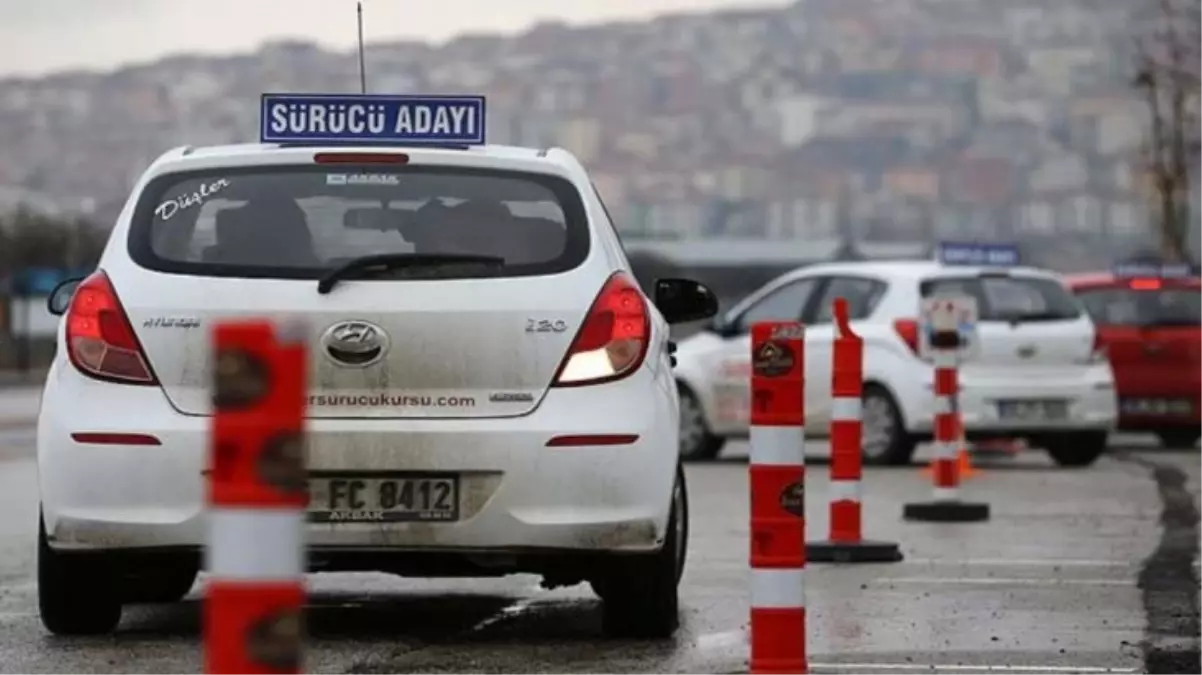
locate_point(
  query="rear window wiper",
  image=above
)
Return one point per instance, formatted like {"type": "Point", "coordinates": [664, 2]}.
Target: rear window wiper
{"type": "Point", "coordinates": [369, 265]}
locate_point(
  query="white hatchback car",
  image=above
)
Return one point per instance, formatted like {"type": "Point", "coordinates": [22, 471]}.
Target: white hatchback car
{"type": "Point", "coordinates": [1038, 375]}
{"type": "Point", "coordinates": [513, 360]}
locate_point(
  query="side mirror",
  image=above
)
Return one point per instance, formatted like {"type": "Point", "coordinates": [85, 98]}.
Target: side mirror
{"type": "Point", "coordinates": [60, 297]}
{"type": "Point", "coordinates": [684, 300]}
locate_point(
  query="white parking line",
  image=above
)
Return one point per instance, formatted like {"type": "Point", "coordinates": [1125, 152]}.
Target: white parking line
{"type": "Point", "coordinates": [941, 668]}
{"type": "Point", "coordinates": [731, 639]}
{"type": "Point", "coordinates": [1005, 581]}
{"type": "Point", "coordinates": [506, 612]}
{"type": "Point", "coordinates": [1021, 562]}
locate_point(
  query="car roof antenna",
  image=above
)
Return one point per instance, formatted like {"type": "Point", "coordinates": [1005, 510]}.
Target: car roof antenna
{"type": "Point", "coordinates": [362, 67]}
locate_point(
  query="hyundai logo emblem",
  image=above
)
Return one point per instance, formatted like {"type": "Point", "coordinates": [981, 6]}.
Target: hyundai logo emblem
{"type": "Point", "coordinates": [355, 344]}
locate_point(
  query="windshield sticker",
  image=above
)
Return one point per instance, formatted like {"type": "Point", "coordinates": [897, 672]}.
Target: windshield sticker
{"type": "Point", "coordinates": [362, 179]}
{"type": "Point", "coordinates": [168, 209]}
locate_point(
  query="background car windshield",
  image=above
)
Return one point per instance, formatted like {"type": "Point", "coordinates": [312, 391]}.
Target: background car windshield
{"type": "Point", "coordinates": [1006, 298]}
{"type": "Point", "coordinates": [1127, 307]}
{"type": "Point", "coordinates": [282, 222]}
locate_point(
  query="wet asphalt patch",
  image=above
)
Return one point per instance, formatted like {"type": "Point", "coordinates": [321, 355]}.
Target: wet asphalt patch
{"type": "Point", "coordinates": [1168, 579]}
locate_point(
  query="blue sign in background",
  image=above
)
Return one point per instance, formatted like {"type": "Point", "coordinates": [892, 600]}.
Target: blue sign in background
{"type": "Point", "coordinates": [40, 281]}
{"type": "Point", "coordinates": [372, 119]}
{"type": "Point", "coordinates": [965, 253]}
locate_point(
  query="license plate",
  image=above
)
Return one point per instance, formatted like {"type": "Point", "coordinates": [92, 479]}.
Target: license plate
{"type": "Point", "coordinates": [1156, 406]}
{"type": "Point", "coordinates": [1032, 410]}
{"type": "Point", "coordinates": [391, 498]}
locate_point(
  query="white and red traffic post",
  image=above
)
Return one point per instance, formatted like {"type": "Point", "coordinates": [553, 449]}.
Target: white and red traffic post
{"type": "Point", "coordinates": [777, 481]}
{"type": "Point", "coordinates": [257, 497]}
{"type": "Point", "coordinates": [945, 339]}
{"type": "Point", "coordinates": [846, 542]}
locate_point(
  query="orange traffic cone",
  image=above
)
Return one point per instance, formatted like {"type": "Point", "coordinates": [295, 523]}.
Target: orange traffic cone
{"type": "Point", "coordinates": [963, 462]}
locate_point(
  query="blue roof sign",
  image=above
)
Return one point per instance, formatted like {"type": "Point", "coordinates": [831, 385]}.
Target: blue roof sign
{"type": "Point", "coordinates": [990, 255]}
{"type": "Point", "coordinates": [1165, 271]}
{"type": "Point", "coordinates": [372, 119]}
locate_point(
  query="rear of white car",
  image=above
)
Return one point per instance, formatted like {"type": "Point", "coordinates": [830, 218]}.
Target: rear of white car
{"type": "Point", "coordinates": [511, 375]}
{"type": "Point", "coordinates": [1038, 373]}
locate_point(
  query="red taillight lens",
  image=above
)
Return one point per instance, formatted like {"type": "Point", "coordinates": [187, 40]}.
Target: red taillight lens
{"type": "Point", "coordinates": [100, 340]}
{"type": "Point", "coordinates": [1145, 284]}
{"type": "Point", "coordinates": [907, 330]}
{"type": "Point", "coordinates": [612, 343]}
{"type": "Point", "coordinates": [1098, 353]}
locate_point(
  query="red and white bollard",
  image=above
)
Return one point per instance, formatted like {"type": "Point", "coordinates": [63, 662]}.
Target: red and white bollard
{"type": "Point", "coordinates": [777, 479]}
{"type": "Point", "coordinates": [255, 553]}
{"type": "Point", "coordinates": [846, 543]}
{"type": "Point", "coordinates": [946, 506]}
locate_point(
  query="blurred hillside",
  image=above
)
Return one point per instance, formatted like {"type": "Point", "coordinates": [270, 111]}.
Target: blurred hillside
{"type": "Point", "coordinates": [827, 121]}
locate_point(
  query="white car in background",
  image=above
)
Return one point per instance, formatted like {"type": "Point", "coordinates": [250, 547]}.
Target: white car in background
{"type": "Point", "coordinates": [1039, 374]}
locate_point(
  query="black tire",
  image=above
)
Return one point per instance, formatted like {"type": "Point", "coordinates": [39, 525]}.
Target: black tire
{"type": "Point", "coordinates": [639, 593]}
{"type": "Point", "coordinates": [697, 443]}
{"type": "Point", "coordinates": [169, 583]}
{"type": "Point", "coordinates": [899, 449]}
{"type": "Point", "coordinates": [1076, 449]}
{"type": "Point", "coordinates": [1179, 439]}
{"type": "Point", "coordinates": [76, 596]}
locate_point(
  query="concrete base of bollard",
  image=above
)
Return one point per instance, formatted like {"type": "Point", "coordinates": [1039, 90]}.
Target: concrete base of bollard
{"type": "Point", "coordinates": [952, 511]}
{"type": "Point", "coordinates": [852, 552]}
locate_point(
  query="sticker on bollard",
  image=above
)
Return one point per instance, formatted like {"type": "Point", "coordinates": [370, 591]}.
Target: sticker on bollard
{"type": "Point", "coordinates": [793, 499]}
{"type": "Point", "coordinates": [282, 463]}
{"type": "Point", "coordinates": [773, 359]}
{"type": "Point", "coordinates": [240, 379]}
{"type": "Point", "coordinates": [275, 641]}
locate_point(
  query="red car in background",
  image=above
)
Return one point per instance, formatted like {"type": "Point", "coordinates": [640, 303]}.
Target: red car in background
{"type": "Point", "coordinates": [1149, 320]}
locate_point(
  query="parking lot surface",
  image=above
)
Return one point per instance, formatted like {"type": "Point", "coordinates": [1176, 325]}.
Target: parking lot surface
{"type": "Point", "coordinates": [1088, 571]}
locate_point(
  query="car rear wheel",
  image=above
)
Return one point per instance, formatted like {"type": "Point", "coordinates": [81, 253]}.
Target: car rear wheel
{"type": "Point", "coordinates": [696, 440]}
{"type": "Point", "coordinates": [884, 440]}
{"type": "Point", "coordinates": [639, 593]}
{"type": "Point", "coordinates": [1179, 439]}
{"type": "Point", "coordinates": [76, 596]}
{"type": "Point", "coordinates": [1076, 449]}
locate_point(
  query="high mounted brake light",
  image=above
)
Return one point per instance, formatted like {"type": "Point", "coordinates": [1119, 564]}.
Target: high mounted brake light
{"type": "Point", "coordinates": [393, 158]}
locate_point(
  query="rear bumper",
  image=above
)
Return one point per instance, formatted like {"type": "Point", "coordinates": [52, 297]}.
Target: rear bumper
{"type": "Point", "coordinates": [1135, 413]}
{"type": "Point", "coordinates": [1089, 393]}
{"type": "Point", "coordinates": [515, 493]}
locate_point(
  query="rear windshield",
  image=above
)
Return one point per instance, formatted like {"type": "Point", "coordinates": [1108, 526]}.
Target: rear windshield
{"type": "Point", "coordinates": [1129, 307]}
{"type": "Point", "coordinates": [1006, 298]}
{"type": "Point", "coordinates": [298, 222]}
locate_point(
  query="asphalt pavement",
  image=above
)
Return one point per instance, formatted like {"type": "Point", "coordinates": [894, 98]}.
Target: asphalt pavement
{"type": "Point", "coordinates": [1078, 571]}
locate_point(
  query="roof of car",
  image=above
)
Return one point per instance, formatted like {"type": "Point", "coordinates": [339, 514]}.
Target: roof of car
{"type": "Point", "coordinates": [246, 153]}
{"type": "Point", "coordinates": [905, 269]}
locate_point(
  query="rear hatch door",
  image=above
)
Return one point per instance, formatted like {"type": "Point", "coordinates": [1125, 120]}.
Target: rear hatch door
{"type": "Point", "coordinates": [492, 278]}
{"type": "Point", "coordinates": [1152, 331]}
{"type": "Point", "coordinates": [1030, 327]}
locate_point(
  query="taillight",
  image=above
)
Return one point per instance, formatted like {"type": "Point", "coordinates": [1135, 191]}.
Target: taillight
{"type": "Point", "coordinates": [612, 342]}
{"type": "Point", "coordinates": [1097, 353]}
{"type": "Point", "coordinates": [907, 330]}
{"type": "Point", "coordinates": [100, 340]}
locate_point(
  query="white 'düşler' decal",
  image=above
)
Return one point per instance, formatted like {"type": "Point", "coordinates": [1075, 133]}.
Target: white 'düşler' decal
{"type": "Point", "coordinates": [169, 208]}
